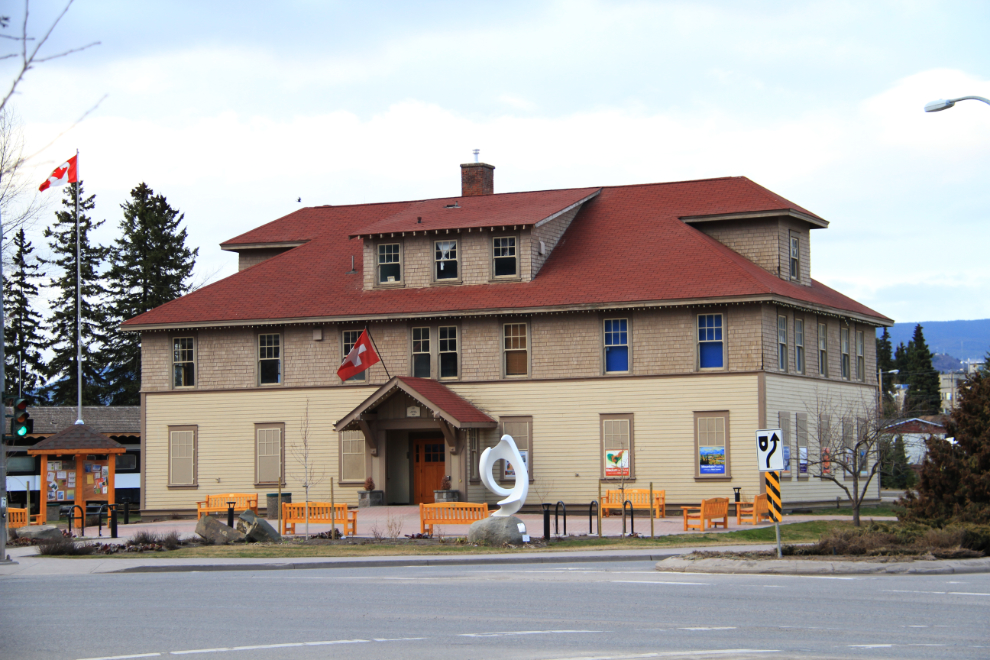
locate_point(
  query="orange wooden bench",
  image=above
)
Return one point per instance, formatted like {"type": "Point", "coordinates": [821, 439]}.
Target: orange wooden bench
{"type": "Point", "coordinates": [707, 514]}
{"type": "Point", "coordinates": [450, 513]}
{"type": "Point", "coordinates": [218, 503]}
{"type": "Point", "coordinates": [640, 499]}
{"type": "Point", "coordinates": [17, 518]}
{"type": "Point", "coordinates": [294, 513]}
{"type": "Point", "coordinates": [753, 513]}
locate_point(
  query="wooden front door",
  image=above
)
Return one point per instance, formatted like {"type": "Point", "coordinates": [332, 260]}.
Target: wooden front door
{"type": "Point", "coordinates": [429, 468]}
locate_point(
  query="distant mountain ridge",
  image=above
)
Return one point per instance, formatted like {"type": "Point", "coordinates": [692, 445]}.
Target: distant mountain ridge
{"type": "Point", "coordinates": [963, 340]}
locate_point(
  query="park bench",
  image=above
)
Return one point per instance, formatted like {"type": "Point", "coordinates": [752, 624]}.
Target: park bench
{"type": "Point", "coordinates": [319, 512]}
{"type": "Point", "coordinates": [218, 503]}
{"type": "Point", "coordinates": [753, 513]}
{"type": "Point", "coordinates": [640, 499]}
{"type": "Point", "coordinates": [19, 518]}
{"type": "Point", "coordinates": [450, 513]}
{"type": "Point", "coordinates": [707, 514]}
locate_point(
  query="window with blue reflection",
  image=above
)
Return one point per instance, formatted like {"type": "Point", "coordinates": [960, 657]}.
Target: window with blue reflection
{"type": "Point", "coordinates": [616, 345]}
{"type": "Point", "coordinates": [710, 354]}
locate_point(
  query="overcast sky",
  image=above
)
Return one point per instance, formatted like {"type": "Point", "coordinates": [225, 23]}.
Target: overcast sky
{"type": "Point", "coordinates": [234, 110]}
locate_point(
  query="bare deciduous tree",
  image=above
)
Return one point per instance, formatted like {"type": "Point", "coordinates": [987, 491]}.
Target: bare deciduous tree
{"type": "Point", "coordinates": [311, 475]}
{"type": "Point", "coordinates": [848, 445]}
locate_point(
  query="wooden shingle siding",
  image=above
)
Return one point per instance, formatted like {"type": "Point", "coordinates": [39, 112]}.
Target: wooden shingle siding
{"type": "Point", "coordinates": [550, 233]}
{"type": "Point", "coordinates": [757, 239]}
{"type": "Point", "coordinates": [156, 361]}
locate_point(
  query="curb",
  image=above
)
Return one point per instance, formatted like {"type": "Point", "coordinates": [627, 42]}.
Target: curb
{"type": "Point", "coordinates": [676, 564]}
{"type": "Point", "coordinates": [477, 560]}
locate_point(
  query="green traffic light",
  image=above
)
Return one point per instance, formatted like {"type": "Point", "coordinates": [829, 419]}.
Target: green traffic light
{"type": "Point", "coordinates": [22, 431]}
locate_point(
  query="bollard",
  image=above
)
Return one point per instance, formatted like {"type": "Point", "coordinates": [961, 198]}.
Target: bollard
{"type": "Point", "coordinates": [546, 521]}
{"type": "Point", "coordinates": [737, 489]}
{"type": "Point", "coordinates": [652, 511]}
{"type": "Point", "coordinates": [127, 513]}
{"type": "Point", "coordinates": [593, 505]}
{"type": "Point", "coordinates": [113, 521]}
{"type": "Point", "coordinates": [230, 514]}
{"type": "Point", "coordinates": [632, 527]}
{"type": "Point", "coordinates": [556, 521]}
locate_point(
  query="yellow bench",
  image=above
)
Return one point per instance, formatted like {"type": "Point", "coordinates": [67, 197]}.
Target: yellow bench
{"type": "Point", "coordinates": [319, 512]}
{"type": "Point", "coordinates": [707, 514]}
{"type": "Point", "coordinates": [753, 513]}
{"type": "Point", "coordinates": [450, 513]}
{"type": "Point", "coordinates": [640, 499]}
{"type": "Point", "coordinates": [218, 503]}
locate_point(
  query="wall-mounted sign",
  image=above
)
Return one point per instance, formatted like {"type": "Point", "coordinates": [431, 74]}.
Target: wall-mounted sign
{"type": "Point", "coordinates": [412, 411]}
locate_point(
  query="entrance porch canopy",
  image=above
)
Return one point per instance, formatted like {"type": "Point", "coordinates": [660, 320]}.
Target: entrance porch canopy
{"type": "Point", "coordinates": [447, 412]}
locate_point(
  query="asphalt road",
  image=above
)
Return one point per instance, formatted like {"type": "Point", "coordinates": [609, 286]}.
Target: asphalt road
{"type": "Point", "coordinates": [606, 610]}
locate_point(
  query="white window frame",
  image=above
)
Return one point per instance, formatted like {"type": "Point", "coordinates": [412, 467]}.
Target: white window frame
{"type": "Point", "coordinates": [627, 345]}
{"type": "Point", "coordinates": [278, 357]}
{"type": "Point", "coordinates": [782, 343]}
{"type": "Point", "coordinates": [443, 348]}
{"type": "Point", "coordinates": [515, 248]}
{"type": "Point", "coordinates": [799, 365]}
{"type": "Point", "coordinates": [506, 350]}
{"type": "Point", "coordinates": [823, 350]}
{"type": "Point", "coordinates": [418, 343]}
{"type": "Point", "coordinates": [352, 443]}
{"type": "Point", "coordinates": [794, 263]}
{"type": "Point", "coordinates": [699, 341]}
{"type": "Point", "coordinates": [438, 261]}
{"type": "Point", "coordinates": [191, 361]}
{"type": "Point", "coordinates": [345, 348]}
{"type": "Point", "coordinates": [845, 361]}
{"type": "Point", "coordinates": [860, 356]}
{"type": "Point", "coordinates": [379, 256]}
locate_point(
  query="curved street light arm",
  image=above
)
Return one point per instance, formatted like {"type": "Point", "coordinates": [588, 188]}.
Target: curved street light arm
{"type": "Point", "coordinates": [945, 104]}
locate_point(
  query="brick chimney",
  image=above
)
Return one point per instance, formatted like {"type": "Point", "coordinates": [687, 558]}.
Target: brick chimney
{"type": "Point", "coordinates": [477, 179]}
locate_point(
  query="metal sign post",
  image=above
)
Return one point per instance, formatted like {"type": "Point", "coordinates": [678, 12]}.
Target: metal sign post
{"type": "Point", "coordinates": [770, 460]}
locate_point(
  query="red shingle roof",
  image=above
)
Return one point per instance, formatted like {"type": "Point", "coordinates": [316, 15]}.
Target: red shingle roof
{"type": "Point", "coordinates": [442, 398]}
{"type": "Point", "coordinates": [627, 245]}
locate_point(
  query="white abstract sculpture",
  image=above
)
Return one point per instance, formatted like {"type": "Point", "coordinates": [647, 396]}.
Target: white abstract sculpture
{"type": "Point", "coordinates": [515, 498]}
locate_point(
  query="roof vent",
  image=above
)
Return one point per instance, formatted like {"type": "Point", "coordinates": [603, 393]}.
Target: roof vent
{"type": "Point", "coordinates": [455, 205]}
{"type": "Point", "coordinates": [419, 220]}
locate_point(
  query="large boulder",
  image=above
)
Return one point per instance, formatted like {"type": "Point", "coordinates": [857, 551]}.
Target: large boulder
{"type": "Point", "coordinates": [216, 532]}
{"type": "Point", "coordinates": [498, 531]}
{"type": "Point", "coordinates": [39, 532]}
{"type": "Point", "coordinates": [257, 529]}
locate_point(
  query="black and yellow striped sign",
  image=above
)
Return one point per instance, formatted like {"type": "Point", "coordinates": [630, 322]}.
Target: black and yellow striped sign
{"type": "Point", "coordinates": [773, 494]}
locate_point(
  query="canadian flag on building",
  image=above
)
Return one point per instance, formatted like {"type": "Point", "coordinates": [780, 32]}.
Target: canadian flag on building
{"type": "Point", "coordinates": [361, 357]}
{"type": "Point", "coordinates": [67, 172]}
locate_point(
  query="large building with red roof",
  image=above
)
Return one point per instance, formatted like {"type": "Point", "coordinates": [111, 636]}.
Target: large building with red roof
{"type": "Point", "coordinates": [622, 334]}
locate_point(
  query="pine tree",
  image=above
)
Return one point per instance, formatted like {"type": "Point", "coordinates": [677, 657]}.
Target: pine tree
{"type": "Point", "coordinates": [885, 363]}
{"type": "Point", "coordinates": [901, 363]}
{"type": "Point", "coordinates": [923, 383]}
{"type": "Point", "coordinates": [21, 335]}
{"type": "Point", "coordinates": [61, 370]}
{"type": "Point", "coordinates": [150, 265]}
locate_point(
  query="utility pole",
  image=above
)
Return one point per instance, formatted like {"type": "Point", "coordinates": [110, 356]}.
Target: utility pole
{"type": "Point", "coordinates": [3, 390]}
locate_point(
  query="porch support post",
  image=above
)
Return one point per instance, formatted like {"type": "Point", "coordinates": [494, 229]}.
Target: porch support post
{"type": "Point", "coordinates": [451, 435]}
{"type": "Point", "coordinates": [370, 437]}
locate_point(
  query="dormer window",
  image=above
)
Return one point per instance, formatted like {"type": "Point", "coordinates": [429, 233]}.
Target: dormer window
{"type": "Point", "coordinates": [505, 257]}
{"type": "Point", "coordinates": [445, 260]}
{"type": "Point", "coordinates": [795, 260]}
{"type": "Point", "coordinates": [389, 263]}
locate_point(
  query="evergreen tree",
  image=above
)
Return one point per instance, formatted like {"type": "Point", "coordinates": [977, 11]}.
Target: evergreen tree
{"type": "Point", "coordinates": [924, 388]}
{"type": "Point", "coordinates": [61, 370]}
{"type": "Point", "coordinates": [885, 363]}
{"type": "Point", "coordinates": [897, 472]}
{"type": "Point", "coordinates": [955, 478]}
{"type": "Point", "coordinates": [150, 265]}
{"type": "Point", "coordinates": [900, 362]}
{"type": "Point", "coordinates": [21, 336]}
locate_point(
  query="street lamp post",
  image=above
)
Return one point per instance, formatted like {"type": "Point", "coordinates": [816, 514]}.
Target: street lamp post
{"type": "Point", "coordinates": [880, 374]}
{"type": "Point", "coordinates": [945, 104]}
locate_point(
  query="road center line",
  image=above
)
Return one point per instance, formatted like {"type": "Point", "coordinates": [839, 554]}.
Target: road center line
{"type": "Point", "coordinates": [672, 654]}
{"type": "Point", "coordinates": [528, 632]}
{"type": "Point", "coordinates": [700, 584]}
{"type": "Point", "coordinates": [711, 628]}
{"type": "Point", "coordinates": [125, 657]}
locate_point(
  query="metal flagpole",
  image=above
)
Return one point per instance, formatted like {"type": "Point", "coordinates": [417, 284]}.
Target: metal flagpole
{"type": "Point", "coordinates": [366, 329]}
{"type": "Point", "coordinates": [79, 370]}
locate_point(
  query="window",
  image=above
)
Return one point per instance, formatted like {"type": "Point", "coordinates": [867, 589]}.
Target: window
{"type": "Point", "coordinates": [616, 345]}
{"type": "Point", "coordinates": [269, 360]}
{"type": "Point", "coordinates": [421, 352]}
{"type": "Point", "coordinates": [348, 339]}
{"type": "Point", "coordinates": [182, 456]}
{"type": "Point", "coordinates": [617, 447]}
{"type": "Point", "coordinates": [844, 351]}
{"type": "Point", "coordinates": [801, 431]}
{"type": "Point", "coordinates": [710, 353]}
{"type": "Point", "coordinates": [26, 465]}
{"type": "Point", "coordinates": [515, 349]}
{"type": "Point", "coordinates": [352, 460]}
{"type": "Point", "coordinates": [126, 461]}
{"type": "Point", "coordinates": [822, 350]}
{"type": "Point", "coordinates": [183, 362]}
{"type": "Point", "coordinates": [799, 345]}
{"type": "Point", "coordinates": [445, 258]}
{"type": "Point", "coordinates": [847, 444]}
{"type": "Point", "coordinates": [474, 449]}
{"type": "Point", "coordinates": [389, 263]}
{"type": "Point", "coordinates": [448, 351]}
{"type": "Point", "coordinates": [795, 261]}
{"type": "Point", "coordinates": [712, 444]}
{"type": "Point", "coordinates": [504, 257]}
{"type": "Point", "coordinates": [782, 343]}
{"type": "Point", "coordinates": [269, 463]}
{"type": "Point", "coordinates": [860, 356]}
{"type": "Point", "coordinates": [521, 429]}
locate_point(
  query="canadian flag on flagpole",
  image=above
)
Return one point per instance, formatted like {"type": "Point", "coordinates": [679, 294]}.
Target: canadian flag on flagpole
{"type": "Point", "coordinates": [67, 172]}
{"type": "Point", "coordinates": [361, 357]}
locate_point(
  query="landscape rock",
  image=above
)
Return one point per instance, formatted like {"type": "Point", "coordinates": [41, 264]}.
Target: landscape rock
{"type": "Point", "coordinates": [215, 531]}
{"type": "Point", "coordinates": [39, 532]}
{"type": "Point", "coordinates": [257, 529]}
{"type": "Point", "coordinates": [496, 531]}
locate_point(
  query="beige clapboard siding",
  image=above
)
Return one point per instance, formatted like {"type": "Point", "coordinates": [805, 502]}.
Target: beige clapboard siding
{"type": "Point", "coordinates": [566, 430]}
{"type": "Point", "coordinates": [800, 395]}
{"type": "Point", "coordinates": [225, 422]}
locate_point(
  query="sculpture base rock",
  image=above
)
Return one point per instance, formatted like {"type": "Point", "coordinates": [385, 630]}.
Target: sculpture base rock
{"type": "Point", "coordinates": [257, 529]}
{"type": "Point", "coordinates": [497, 531]}
{"type": "Point", "coordinates": [215, 531]}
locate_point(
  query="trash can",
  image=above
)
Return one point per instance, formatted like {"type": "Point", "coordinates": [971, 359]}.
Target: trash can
{"type": "Point", "coordinates": [272, 504]}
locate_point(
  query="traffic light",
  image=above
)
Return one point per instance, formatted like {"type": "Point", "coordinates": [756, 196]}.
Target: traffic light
{"type": "Point", "coordinates": [21, 423]}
